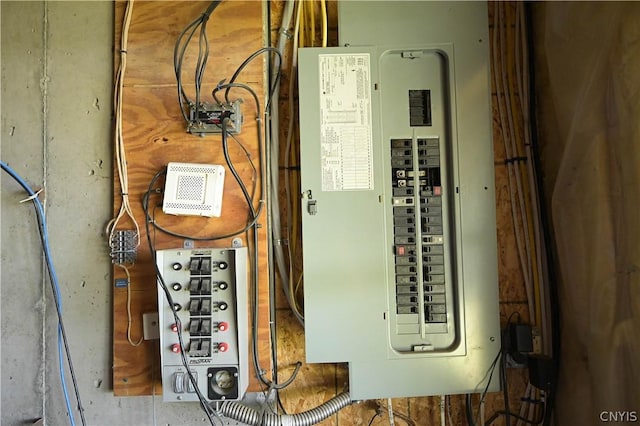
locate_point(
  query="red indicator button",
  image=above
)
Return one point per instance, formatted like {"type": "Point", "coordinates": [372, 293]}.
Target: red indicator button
{"type": "Point", "coordinates": [437, 190]}
{"type": "Point", "coordinates": [175, 348]}
{"type": "Point", "coordinates": [400, 250]}
{"type": "Point", "coordinates": [223, 326]}
{"type": "Point", "coordinates": [174, 328]}
{"type": "Point", "coordinates": [223, 347]}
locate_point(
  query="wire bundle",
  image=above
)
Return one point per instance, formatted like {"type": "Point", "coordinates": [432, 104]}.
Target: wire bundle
{"type": "Point", "coordinates": [304, 34]}
{"type": "Point", "coordinates": [515, 120]}
{"type": "Point", "coordinates": [55, 287]}
{"type": "Point", "coordinates": [121, 164]}
{"type": "Point", "coordinates": [184, 39]}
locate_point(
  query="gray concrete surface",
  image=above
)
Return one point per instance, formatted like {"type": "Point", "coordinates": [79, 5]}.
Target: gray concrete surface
{"type": "Point", "coordinates": [56, 132]}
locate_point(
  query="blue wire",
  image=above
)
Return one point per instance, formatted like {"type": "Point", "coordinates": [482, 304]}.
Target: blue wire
{"type": "Point", "coordinates": [53, 274]}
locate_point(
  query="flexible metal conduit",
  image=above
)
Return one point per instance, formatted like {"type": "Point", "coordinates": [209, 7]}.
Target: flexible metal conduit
{"type": "Point", "coordinates": [241, 413]}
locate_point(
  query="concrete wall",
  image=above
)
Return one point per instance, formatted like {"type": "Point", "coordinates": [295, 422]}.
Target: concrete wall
{"type": "Point", "coordinates": [56, 132]}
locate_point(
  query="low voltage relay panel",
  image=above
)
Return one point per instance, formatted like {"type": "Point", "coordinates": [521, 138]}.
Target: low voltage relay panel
{"type": "Point", "coordinates": [208, 290]}
{"type": "Point", "coordinates": [399, 234]}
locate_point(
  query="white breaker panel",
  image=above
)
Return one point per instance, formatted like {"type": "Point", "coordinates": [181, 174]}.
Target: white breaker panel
{"type": "Point", "coordinates": [209, 292]}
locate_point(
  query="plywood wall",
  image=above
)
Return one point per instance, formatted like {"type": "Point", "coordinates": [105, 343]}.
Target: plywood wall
{"type": "Point", "coordinates": [154, 134]}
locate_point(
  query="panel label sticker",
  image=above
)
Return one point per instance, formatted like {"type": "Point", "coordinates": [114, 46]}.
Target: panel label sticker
{"type": "Point", "coordinates": [345, 127]}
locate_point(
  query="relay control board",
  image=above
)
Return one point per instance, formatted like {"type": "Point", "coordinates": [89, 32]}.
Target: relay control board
{"type": "Point", "coordinates": [208, 288]}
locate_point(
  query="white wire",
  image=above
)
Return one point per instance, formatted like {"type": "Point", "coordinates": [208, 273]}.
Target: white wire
{"type": "Point", "coordinates": [508, 154]}
{"type": "Point", "coordinates": [288, 143]}
{"type": "Point", "coordinates": [121, 159]}
{"type": "Point", "coordinates": [514, 151]}
{"type": "Point", "coordinates": [126, 271]}
{"type": "Point", "coordinates": [531, 174]}
{"type": "Point", "coordinates": [523, 406]}
{"type": "Point", "coordinates": [392, 420]}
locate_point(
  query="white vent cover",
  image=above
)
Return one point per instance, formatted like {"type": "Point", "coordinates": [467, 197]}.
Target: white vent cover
{"type": "Point", "coordinates": [193, 189]}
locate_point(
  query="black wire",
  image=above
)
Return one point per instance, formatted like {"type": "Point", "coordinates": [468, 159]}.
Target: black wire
{"type": "Point", "coordinates": [503, 373]}
{"type": "Point", "coordinates": [253, 218]}
{"type": "Point", "coordinates": [252, 92]}
{"type": "Point", "coordinates": [468, 405]}
{"type": "Point", "coordinates": [544, 220]}
{"type": "Point", "coordinates": [505, 389]}
{"type": "Point", "coordinates": [41, 232]}
{"type": "Point", "coordinates": [249, 59]}
{"type": "Point", "coordinates": [486, 388]}
{"type": "Point", "coordinates": [61, 322]}
{"type": "Point", "coordinates": [372, 419]}
{"type": "Point", "coordinates": [497, 414]}
{"type": "Point", "coordinates": [253, 214]}
{"type": "Point", "coordinates": [203, 55]}
{"type": "Point", "coordinates": [178, 58]}
{"type": "Point", "coordinates": [154, 223]}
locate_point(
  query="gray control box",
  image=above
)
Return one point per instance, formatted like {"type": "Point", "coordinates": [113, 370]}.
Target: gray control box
{"type": "Point", "coordinates": [399, 229]}
{"type": "Point", "coordinates": [208, 288]}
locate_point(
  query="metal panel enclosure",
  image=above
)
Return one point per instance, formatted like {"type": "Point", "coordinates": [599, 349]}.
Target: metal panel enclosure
{"type": "Point", "coordinates": [208, 288]}
{"type": "Point", "coordinates": [399, 233]}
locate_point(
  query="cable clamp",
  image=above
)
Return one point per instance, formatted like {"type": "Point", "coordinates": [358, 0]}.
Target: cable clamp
{"type": "Point", "coordinates": [516, 160]}
{"type": "Point", "coordinates": [32, 197]}
{"type": "Point", "coordinates": [285, 32]}
{"type": "Point", "coordinates": [122, 51]}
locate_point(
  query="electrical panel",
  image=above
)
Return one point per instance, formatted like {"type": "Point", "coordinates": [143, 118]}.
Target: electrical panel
{"type": "Point", "coordinates": [399, 230]}
{"type": "Point", "coordinates": [208, 288]}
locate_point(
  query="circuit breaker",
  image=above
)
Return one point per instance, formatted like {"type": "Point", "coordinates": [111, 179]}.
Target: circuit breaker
{"type": "Point", "coordinates": [398, 222]}
{"type": "Point", "coordinates": [208, 288]}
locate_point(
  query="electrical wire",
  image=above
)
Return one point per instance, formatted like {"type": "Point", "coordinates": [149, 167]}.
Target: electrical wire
{"type": "Point", "coordinates": [393, 414]}
{"type": "Point", "coordinates": [128, 274]}
{"type": "Point", "coordinates": [255, 294]}
{"type": "Point", "coordinates": [372, 419]}
{"type": "Point", "coordinates": [55, 287]}
{"type": "Point", "coordinates": [524, 169]}
{"type": "Point", "coordinates": [523, 194]}
{"type": "Point", "coordinates": [121, 163]}
{"type": "Point", "coordinates": [179, 51]}
{"type": "Point", "coordinates": [545, 226]}
{"type": "Point", "coordinates": [471, 420]}
{"type": "Point", "coordinates": [305, 9]}
{"type": "Point", "coordinates": [120, 152]}
{"type": "Point", "coordinates": [253, 217]}
{"type": "Point", "coordinates": [243, 65]}
{"type": "Point", "coordinates": [292, 202]}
